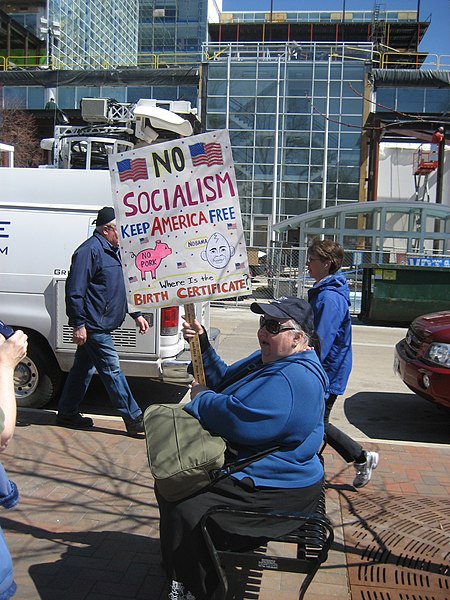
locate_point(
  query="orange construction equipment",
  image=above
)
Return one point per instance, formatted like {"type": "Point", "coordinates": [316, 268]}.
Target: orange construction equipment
{"type": "Point", "coordinates": [424, 163]}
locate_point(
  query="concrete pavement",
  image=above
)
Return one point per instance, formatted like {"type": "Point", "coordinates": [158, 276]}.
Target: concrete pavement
{"type": "Point", "coordinates": [87, 524]}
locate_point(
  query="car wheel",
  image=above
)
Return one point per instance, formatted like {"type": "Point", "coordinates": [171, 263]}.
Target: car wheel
{"type": "Point", "coordinates": [37, 378]}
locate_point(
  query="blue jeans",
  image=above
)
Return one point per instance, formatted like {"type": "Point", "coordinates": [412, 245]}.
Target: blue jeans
{"type": "Point", "coordinates": [7, 583]}
{"type": "Point", "coordinates": [98, 353]}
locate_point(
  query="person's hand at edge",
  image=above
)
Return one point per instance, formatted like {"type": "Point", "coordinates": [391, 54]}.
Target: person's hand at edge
{"type": "Point", "coordinates": [196, 388]}
{"type": "Point", "coordinates": [79, 336]}
{"type": "Point", "coordinates": [143, 325]}
{"type": "Point", "coordinates": [191, 330]}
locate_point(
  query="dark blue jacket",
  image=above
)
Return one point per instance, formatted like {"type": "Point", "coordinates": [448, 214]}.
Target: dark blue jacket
{"type": "Point", "coordinates": [330, 301]}
{"type": "Point", "coordinates": [95, 288]}
{"type": "Point", "coordinates": [280, 403]}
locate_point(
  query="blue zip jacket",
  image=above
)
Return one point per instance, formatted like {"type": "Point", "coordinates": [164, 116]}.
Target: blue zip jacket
{"type": "Point", "coordinates": [330, 301]}
{"type": "Point", "coordinates": [256, 407]}
{"type": "Point", "coordinates": [95, 288]}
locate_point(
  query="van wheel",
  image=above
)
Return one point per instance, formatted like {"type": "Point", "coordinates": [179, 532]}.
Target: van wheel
{"type": "Point", "coordinates": [37, 378]}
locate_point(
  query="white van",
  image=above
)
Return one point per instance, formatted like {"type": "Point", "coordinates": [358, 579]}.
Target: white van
{"type": "Point", "coordinates": [45, 214]}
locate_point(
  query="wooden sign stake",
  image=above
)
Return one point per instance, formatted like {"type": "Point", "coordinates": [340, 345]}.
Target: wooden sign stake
{"type": "Point", "coordinates": [194, 346]}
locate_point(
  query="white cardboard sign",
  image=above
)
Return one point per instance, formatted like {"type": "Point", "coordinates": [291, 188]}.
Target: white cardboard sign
{"type": "Point", "coordinates": [179, 222]}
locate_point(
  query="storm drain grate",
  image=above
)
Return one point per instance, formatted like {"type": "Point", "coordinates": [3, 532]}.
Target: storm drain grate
{"type": "Point", "coordinates": [398, 548]}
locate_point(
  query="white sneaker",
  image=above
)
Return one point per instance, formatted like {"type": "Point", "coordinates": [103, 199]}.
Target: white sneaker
{"type": "Point", "coordinates": [364, 470]}
{"type": "Point", "coordinates": [178, 592]}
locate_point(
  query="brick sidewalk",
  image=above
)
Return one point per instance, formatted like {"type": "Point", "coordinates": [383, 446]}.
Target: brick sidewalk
{"type": "Point", "coordinates": [87, 524]}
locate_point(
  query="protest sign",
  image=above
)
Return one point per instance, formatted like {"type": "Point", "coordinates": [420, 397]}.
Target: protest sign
{"type": "Point", "coordinates": [179, 222]}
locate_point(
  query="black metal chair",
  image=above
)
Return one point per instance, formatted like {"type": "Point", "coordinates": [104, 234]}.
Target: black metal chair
{"type": "Point", "coordinates": [311, 533]}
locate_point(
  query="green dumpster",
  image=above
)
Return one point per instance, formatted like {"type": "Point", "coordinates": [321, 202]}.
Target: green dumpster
{"type": "Point", "coordinates": [400, 293]}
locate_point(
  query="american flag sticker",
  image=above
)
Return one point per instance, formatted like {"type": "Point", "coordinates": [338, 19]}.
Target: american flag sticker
{"type": "Point", "coordinates": [239, 265]}
{"type": "Point", "coordinates": [143, 240]}
{"type": "Point", "coordinates": [231, 226]}
{"type": "Point", "coordinates": [132, 279]}
{"type": "Point", "coordinates": [181, 265]}
{"type": "Point", "coordinates": [132, 169]}
{"type": "Point", "coordinates": [206, 154]}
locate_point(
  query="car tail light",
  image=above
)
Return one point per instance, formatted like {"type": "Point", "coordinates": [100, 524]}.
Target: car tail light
{"type": "Point", "coordinates": [169, 320]}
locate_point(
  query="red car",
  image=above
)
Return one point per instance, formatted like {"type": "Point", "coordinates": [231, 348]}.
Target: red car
{"type": "Point", "coordinates": [422, 359]}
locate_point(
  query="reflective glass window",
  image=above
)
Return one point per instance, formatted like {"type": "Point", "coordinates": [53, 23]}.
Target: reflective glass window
{"type": "Point", "coordinates": [298, 70]}
{"type": "Point", "coordinates": [217, 104]}
{"type": "Point", "coordinates": [136, 93]}
{"type": "Point", "coordinates": [215, 121]}
{"type": "Point", "coordinates": [299, 122]}
{"type": "Point", "coordinates": [266, 88]}
{"type": "Point", "coordinates": [217, 71]}
{"type": "Point", "coordinates": [266, 105]}
{"type": "Point", "coordinates": [242, 104]}
{"type": "Point", "coordinates": [347, 191]}
{"type": "Point", "coordinates": [264, 155]}
{"type": "Point", "coordinates": [217, 88]}
{"type": "Point", "coordinates": [294, 207]}
{"type": "Point", "coordinates": [164, 93]}
{"type": "Point", "coordinates": [352, 106]}
{"type": "Point", "coordinates": [295, 173]}
{"type": "Point", "coordinates": [241, 138]}
{"type": "Point", "coordinates": [243, 71]}
{"type": "Point", "coordinates": [242, 121]}
{"type": "Point", "coordinates": [36, 97]}
{"type": "Point", "coordinates": [264, 171]}
{"type": "Point", "coordinates": [298, 88]}
{"type": "Point", "coordinates": [15, 97]}
{"type": "Point", "coordinates": [268, 71]}
{"type": "Point", "coordinates": [411, 99]}
{"type": "Point", "coordinates": [243, 155]}
{"type": "Point", "coordinates": [265, 138]}
{"type": "Point", "coordinates": [297, 105]}
{"type": "Point", "coordinates": [263, 189]}
{"type": "Point", "coordinates": [386, 97]}
{"type": "Point", "coordinates": [242, 87]}
{"type": "Point", "coordinates": [265, 121]}
{"type": "Point", "coordinates": [297, 156]}
{"type": "Point", "coordinates": [437, 100]}
{"type": "Point", "coordinates": [117, 93]}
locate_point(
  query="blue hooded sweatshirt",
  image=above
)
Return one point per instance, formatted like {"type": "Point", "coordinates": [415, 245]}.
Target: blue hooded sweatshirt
{"type": "Point", "coordinates": [256, 407]}
{"type": "Point", "coordinates": [330, 301]}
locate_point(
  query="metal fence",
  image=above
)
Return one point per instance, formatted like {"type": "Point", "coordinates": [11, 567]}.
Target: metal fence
{"type": "Point", "coordinates": [281, 271]}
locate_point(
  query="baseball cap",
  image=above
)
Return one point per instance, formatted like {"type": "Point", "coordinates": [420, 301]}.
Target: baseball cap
{"type": "Point", "coordinates": [105, 215]}
{"type": "Point", "coordinates": [288, 308]}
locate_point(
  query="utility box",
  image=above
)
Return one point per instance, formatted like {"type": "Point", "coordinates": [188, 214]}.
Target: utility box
{"type": "Point", "coordinates": [397, 294]}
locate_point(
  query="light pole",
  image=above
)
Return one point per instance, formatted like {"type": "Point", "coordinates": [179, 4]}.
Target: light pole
{"type": "Point", "coordinates": [50, 31]}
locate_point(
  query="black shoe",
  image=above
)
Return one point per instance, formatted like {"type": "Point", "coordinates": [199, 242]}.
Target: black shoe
{"type": "Point", "coordinates": [135, 426]}
{"type": "Point", "coordinates": [74, 421]}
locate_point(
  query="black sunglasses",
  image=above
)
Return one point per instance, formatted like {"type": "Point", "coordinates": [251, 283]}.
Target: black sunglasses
{"type": "Point", "coordinates": [272, 326]}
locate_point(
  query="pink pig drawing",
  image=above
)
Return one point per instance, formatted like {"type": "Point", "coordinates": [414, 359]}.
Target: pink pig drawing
{"type": "Point", "coordinates": [150, 258]}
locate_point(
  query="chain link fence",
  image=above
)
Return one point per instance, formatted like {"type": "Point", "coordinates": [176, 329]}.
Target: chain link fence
{"type": "Point", "coordinates": [281, 270]}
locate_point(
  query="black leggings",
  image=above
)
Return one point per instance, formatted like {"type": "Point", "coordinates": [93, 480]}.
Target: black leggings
{"type": "Point", "coordinates": [184, 552]}
{"type": "Point", "coordinates": [344, 445]}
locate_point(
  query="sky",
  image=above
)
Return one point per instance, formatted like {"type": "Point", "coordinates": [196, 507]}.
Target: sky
{"type": "Point", "coordinates": [436, 39]}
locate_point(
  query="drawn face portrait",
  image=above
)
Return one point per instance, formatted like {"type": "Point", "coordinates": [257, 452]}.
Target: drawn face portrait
{"type": "Point", "coordinates": [218, 251]}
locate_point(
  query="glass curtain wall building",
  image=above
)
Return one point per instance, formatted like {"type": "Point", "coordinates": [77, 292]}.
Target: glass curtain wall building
{"type": "Point", "coordinates": [169, 26]}
{"type": "Point", "coordinates": [295, 117]}
{"type": "Point", "coordinates": [96, 34]}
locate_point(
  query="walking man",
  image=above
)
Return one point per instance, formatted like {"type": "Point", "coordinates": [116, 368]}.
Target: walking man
{"type": "Point", "coordinates": [96, 305]}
